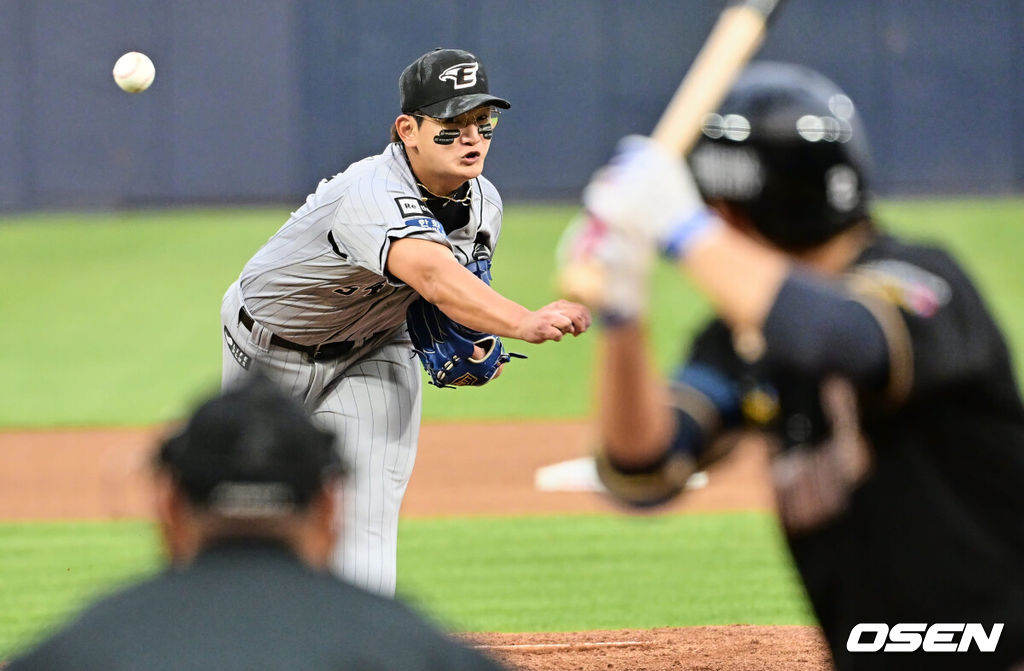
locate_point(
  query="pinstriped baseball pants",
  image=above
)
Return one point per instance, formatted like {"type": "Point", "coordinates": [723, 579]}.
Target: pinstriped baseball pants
{"type": "Point", "coordinates": [370, 399]}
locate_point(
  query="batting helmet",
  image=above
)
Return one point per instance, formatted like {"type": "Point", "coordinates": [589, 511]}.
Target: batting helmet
{"type": "Point", "coordinates": [786, 148]}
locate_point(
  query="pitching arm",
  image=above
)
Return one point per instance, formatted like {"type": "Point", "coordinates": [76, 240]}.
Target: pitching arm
{"type": "Point", "coordinates": [432, 270]}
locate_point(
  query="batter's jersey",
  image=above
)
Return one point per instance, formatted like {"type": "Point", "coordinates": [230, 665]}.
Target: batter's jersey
{"type": "Point", "coordinates": [935, 534]}
{"type": "Point", "coordinates": [321, 278]}
{"type": "Point", "coordinates": [245, 606]}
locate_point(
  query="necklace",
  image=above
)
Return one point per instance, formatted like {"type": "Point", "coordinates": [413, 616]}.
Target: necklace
{"type": "Point", "coordinates": [464, 200]}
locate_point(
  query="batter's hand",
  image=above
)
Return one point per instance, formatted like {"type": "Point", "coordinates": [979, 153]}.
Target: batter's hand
{"type": "Point", "coordinates": [606, 269]}
{"type": "Point", "coordinates": [647, 193]}
{"type": "Point", "coordinates": [553, 321]}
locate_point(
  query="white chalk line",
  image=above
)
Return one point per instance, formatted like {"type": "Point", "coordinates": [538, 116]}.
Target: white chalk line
{"type": "Point", "coordinates": [527, 646]}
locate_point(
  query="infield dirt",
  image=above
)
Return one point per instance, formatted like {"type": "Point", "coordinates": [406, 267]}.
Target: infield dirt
{"type": "Point", "coordinates": [102, 474]}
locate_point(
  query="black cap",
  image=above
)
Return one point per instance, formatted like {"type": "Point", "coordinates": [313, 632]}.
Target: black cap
{"type": "Point", "coordinates": [444, 83]}
{"type": "Point", "coordinates": [251, 451]}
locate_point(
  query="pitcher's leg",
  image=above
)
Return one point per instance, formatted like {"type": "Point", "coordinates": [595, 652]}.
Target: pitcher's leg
{"type": "Point", "coordinates": [375, 410]}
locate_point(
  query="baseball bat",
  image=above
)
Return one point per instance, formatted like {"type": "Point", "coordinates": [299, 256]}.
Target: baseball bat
{"type": "Point", "coordinates": [734, 39]}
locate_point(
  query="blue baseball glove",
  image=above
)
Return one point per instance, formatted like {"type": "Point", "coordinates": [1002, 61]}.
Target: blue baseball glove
{"type": "Point", "coordinates": [446, 347]}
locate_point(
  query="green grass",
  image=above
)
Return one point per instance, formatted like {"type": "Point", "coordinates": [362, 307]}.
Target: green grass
{"type": "Point", "coordinates": [48, 570]}
{"type": "Point", "coordinates": [563, 573]}
{"type": "Point", "coordinates": [115, 319]}
{"type": "Point", "coordinates": [575, 573]}
{"type": "Point", "coordinates": [112, 319]}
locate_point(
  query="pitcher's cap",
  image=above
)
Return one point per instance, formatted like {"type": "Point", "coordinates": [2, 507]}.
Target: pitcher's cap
{"type": "Point", "coordinates": [251, 451]}
{"type": "Point", "coordinates": [445, 83]}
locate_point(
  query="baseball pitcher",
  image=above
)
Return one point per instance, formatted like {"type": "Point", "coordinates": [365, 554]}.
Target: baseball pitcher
{"type": "Point", "coordinates": [410, 233]}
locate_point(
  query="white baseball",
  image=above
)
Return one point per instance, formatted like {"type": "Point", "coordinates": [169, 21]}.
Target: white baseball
{"type": "Point", "coordinates": [134, 72]}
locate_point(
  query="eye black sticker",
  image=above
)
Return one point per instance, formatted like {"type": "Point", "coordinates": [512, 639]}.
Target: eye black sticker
{"type": "Point", "coordinates": [447, 136]}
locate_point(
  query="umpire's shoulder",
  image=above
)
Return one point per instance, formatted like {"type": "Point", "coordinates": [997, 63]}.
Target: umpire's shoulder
{"type": "Point", "coordinates": [395, 631]}
{"type": "Point", "coordinates": [88, 639]}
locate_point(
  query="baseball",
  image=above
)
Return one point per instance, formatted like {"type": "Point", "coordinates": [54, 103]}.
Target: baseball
{"type": "Point", "coordinates": [134, 72]}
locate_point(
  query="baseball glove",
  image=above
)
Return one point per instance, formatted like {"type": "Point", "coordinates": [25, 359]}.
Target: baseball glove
{"type": "Point", "coordinates": [446, 348]}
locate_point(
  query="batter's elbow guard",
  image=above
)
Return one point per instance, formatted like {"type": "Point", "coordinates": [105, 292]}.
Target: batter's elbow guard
{"type": "Point", "coordinates": [645, 487]}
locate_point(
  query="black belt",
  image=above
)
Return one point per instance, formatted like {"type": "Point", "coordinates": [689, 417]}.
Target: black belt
{"type": "Point", "coordinates": [331, 350]}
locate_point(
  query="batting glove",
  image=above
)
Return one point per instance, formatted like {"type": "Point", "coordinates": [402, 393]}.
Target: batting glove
{"type": "Point", "coordinates": [606, 269]}
{"type": "Point", "coordinates": [647, 192]}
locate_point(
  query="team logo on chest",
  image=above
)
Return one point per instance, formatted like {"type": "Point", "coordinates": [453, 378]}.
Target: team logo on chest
{"type": "Point", "coordinates": [462, 75]}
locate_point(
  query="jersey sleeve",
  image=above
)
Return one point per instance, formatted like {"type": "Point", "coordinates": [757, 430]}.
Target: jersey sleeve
{"type": "Point", "coordinates": [706, 393]}
{"type": "Point", "coordinates": [374, 212]}
{"type": "Point", "coordinates": [704, 401]}
{"type": "Point", "coordinates": [816, 328]}
{"type": "Point", "coordinates": [938, 330]}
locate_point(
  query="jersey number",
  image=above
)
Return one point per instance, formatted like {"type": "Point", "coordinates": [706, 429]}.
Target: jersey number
{"type": "Point", "coordinates": [371, 290]}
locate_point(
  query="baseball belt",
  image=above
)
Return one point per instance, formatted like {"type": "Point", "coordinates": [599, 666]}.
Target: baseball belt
{"type": "Point", "coordinates": [322, 352]}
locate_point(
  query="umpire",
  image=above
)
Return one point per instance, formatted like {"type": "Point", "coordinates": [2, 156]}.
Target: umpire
{"type": "Point", "coordinates": [871, 362]}
{"type": "Point", "coordinates": [246, 498]}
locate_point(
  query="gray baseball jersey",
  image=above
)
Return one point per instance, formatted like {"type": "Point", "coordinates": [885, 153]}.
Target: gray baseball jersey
{"type": "Point", "coordinates": [320, 280]}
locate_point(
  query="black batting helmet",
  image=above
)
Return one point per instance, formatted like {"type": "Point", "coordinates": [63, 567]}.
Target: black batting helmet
{"type": "Point", "coordinates": [787, 149]}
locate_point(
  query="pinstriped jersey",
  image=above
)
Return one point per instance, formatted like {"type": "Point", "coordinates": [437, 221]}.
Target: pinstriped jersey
{"type": "Point", "coordinates": [321, 278]}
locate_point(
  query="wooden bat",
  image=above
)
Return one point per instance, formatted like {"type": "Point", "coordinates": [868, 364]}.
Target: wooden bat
{"type": "Point", "coordinates": [736, 36]}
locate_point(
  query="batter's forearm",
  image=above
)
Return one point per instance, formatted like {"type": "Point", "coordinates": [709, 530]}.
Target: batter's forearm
{"type": "Point", "coordinates": [636, 420]}
{"type": "Point", "coordinates": [739, 276]}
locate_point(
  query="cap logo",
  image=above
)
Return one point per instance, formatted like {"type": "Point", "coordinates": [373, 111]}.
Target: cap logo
{"type": "Point", "coordinates": [462, 75]}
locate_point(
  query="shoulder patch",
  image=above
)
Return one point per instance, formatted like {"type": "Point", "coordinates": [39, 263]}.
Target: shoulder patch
{"type": "Point", "coordinates": [426, 222]}
{"type": "Point", "coordinates": [411, 207]}
{"type": "Point", "coordinates": [910, 287]}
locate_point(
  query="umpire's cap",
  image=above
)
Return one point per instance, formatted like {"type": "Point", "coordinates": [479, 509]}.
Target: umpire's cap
{"type": "Point", "coordinates": [445, 83]}
{"type": "Point", "coordinates": [251, 451]}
